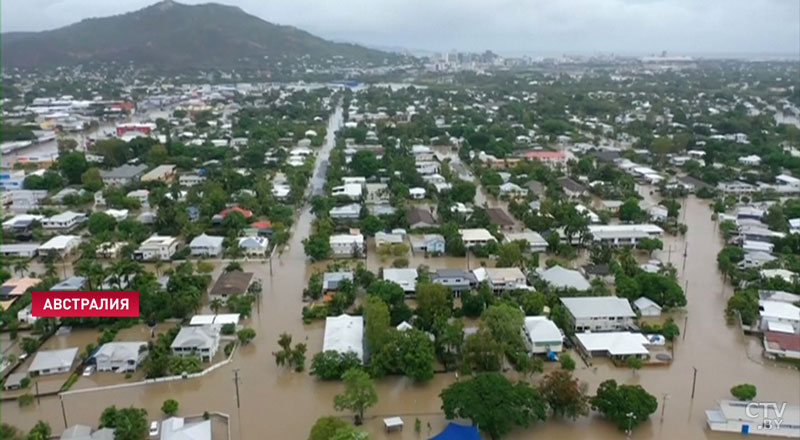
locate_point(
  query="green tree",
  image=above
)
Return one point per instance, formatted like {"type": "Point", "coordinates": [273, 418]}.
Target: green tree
{"type": "Point", "coordinates": [371, 224]}
{"type": "Point", "coordinates": [493, 403]}
{"type": "Point", "coordinates": [744, 391]}
{"type": "Point", "coordinates": [326, 427]}
{"type": "Point", "coordinates": [482, 352]}
{"type": "Point", "coordinates": [317, 247]}
{"type": "Point", "coordinates": [650, 244]}
{"type": "Point", "coordinates": [434, 303]}
{"type": "Point", "coordinates": [170, 407]}
{"type": "Point", "coordinates": [359, 394]}
{"type": "Point", "coordinates": [73, 165]}
{"type": "Point", "coordinates": [630, 211]}
{"type": "Point", "coordinates": [246, 335]}
{"type": "Point", "coordinates": [377, 323]}
{"type": "Point", "coordinates": [100, 222]}
{"type": "Point", "coordinates": [565, 395]}
{"type": "Point", "coordinates": [40, 431]}
{"type": "Point", "coordinates": [566, 361]}
{"type": "Point", "coordinates": [510, 255]}
{"type": "Point", "coordinates": [463, 191]}
{"type": "Point", "coordinates": [634, 363]}
{"type": "Point", "coordinates": [409, 352]}
{"type": "Point", "coordinates": [625, 405]}
{"type": "Point", "coordinates": [216, 305]}
{"type": "Point", "coordinates": [331, 365]}
{"type": "Point", "coordinates": [91, 179]}
{"type": "Point", "coordinates": [128, 423]}
{"type": "Point", "coordinates": [364, 163]}
{"type": "Point", "coordinates": [670, 330]}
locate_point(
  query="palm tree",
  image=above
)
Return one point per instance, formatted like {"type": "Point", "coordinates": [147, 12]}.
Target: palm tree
{"type": "Point", "coordinates": [158, 265]}
{"type": "Point", "coordinates": [21, 267]}
{"type": "Point", "coordinates": [215, 305]}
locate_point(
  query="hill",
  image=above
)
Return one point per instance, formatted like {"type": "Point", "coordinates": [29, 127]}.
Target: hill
{"type": "Point", "coordinates": [171, 35]}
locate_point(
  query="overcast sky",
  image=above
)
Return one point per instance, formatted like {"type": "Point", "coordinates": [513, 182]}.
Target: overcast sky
{"type": "Point", "coordinates": [506, 26]}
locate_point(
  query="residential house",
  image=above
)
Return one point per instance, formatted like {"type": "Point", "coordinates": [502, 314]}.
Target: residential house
{"type": "Point", "coordinates": [384, 238]}
{"type": "Point", "coordinates": [224, 213]}
{"type": "Point", "coordinates": [760, 418]}
{"type": "Point", "coordinates": [21, 222]}
{"type": "Point", "coordinates": [110, 250]}
{"type": "Point", "coordinates": [572, 188]}
{"type": "Point", "coordinates": [64, 221]}
{"type": "Point", "coordinates": [331, 280]}
{"type": "Point", "coordinates": [344, 334]}
{"type": "Point", "coordinates": [254, 246]}
{"type": "Point", "coordinates": [206, 245]}
{"type": "Point", "coordinates": [25, 315]}
{"type": "Point", "coordinates": [536, 188]}
{"type": "Point", "coordinates": [420, 218]}
{"type": "Point", "coordinates": [512, 190]}
{"type": "Point", "coordinates": [142, 195]}
{"type": "Point", "coordinates": [619, 345]}
{"type": "Point", "coordinates": [458, 280]}
{"type": "Point", "coordinates": [350, 191]}
{"type": "Point", "coordinates": [62, 245]}
{"type": "Point", "coordinates": [405, 278]}
{"type": "Point", "coordinates": [500, 217]}
{"type": "Point", "coordinates": [72, 283]}
{"type": "Point", "coordinates": [542, 335]}
{"type": "Point", "coordinates": [347, 245]}
{"type": "Point", "coordinates": [378, 193]}
{"type": "Point", "coordinates": [623, 235]}
{"type": "Point", "coordinates": [562, 278]}
{"type": "Point", "coordinates": [19, 250]}
{"type": "Point", "coordinates": [53, 361]}
{"type": "Point", "coordinates": [647, 307]}
{"type": "Point", "coordinates": [782, 345]}
{"type": "Point", "coordinates": [83, 432]}
{"type": "Point", "coordinates": [417, 193]}
{"type": "Point", "coordinates": [231, 283]}
{"type": "Point", "coordinates": [162, 173]}
{"type": "Point", "coordinates": [475, 237]}
{"type": "Point", "coordinates": [14, 288]}
{"type": "Point", "coordinates": [157, 247]}
{"type": "Point", "coordinates": [123, 175]}
{"type": "Point", "coordinates": [501, 279]}
{"type": "Point", "coordinates": [779, 316]}
{"type": "Point", "coordinates": [346, 212]}
{"type": "Point", "coordinates": [428, 243]}
{"type": "Point", "coordinates": [191, 179]}
{"type": "Point", "coordinates": [599, 313]}
{"type": "Point", "coordinates": [121, 357]}
{"type": "Point", "coordinates": [536, 243]}
{"type": "Point", "coordinates": [178, 428]}
{"type": "Point", "coordinates": [201, 341]}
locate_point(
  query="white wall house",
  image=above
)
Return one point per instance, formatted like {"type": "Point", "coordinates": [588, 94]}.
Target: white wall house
{"type": "Point", "coordinates": [599, 314]}
{"type": "Point", "coordinates": [206, 245]}
{"type": "Point", "coordinates": [201, 341]}
{"type": "Point", "coordinates": [254, 246]}
{"type": "Point", "coordinates": [473, 237]}
{"type": "Point", "coordinates": [64, 221]}
{"type": "Point", "coordinates": [542, 335]}
{"type": "Point", "coordinates": [157, 247]}
{"type": "Point", "coordinates": [345, 245]}
{"type": "Point", "coordinates": [121, 357]}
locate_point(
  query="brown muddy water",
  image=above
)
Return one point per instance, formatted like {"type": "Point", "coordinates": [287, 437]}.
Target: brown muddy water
{"type": "Point", "coordinates": [278, 403]}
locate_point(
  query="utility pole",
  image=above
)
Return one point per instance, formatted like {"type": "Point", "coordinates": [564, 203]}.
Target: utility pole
{"type": "Point", "coordinates": [38, 399]}
{"type": "Point", "coordinates": [685, 323]}
{"type": "Point", "coordinates": [63, 411]}
{"type": "Point", "coordinates": [694, 381]}
{"type": "Point", "coordinates": [685, 254]}
{"type": "Point", "coordinates": [236, 381]}
{"type": "Point", "coordinates": [663, 405]}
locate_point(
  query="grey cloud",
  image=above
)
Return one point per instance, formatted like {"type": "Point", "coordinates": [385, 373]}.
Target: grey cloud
{"type": "Point", "coordinates": [533, 26]}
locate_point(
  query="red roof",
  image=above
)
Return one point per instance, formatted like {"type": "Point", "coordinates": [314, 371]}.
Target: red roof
{"type": "Point", "coordinates": [785, 341]}
{"type": "Point", "coordinates": [263, 224]}
{"type": "Point", "coordinates": [245, 212]}
{"type": "Point", "coordinates": [544, 155]}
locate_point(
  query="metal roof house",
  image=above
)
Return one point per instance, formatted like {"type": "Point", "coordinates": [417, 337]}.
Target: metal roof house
{"type": "Point", "coordinates": [599, 313]}
{"type": "Point", "coordinates": [343, 334]}
{"type": "Point", "coordinates": [53, 361]}
{"type": "Point", "coordinates": [120, 356]}
{"type": "Point", "coordinates": [201, 341]}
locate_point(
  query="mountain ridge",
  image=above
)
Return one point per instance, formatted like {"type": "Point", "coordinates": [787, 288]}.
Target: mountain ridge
{"type": "Point", "coordinates": [173, 35]}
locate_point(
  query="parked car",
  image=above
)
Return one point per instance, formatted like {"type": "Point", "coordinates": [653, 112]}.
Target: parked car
{"type": "Point", "coordinates": [153, 428]}
{"type": "Point", "coordinates": [88, 370]}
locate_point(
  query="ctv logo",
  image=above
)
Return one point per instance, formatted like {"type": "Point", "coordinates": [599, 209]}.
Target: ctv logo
{"type": "Point", "coordinates": [756, 409]}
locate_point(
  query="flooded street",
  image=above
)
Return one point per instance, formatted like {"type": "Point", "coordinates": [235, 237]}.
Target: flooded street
{"type": "Point", "coordinates": [279, 403]}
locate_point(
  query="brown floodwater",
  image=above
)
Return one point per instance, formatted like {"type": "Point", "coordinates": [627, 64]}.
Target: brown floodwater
{"type": "Point", "coordinates": [278, 403]}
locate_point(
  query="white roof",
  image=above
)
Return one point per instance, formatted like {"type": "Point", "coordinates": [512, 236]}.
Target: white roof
{"type": "Point", "coordinates": [533, 238]}
{"type": "Point", "coordinates": [344, 333]}
{"type": "Point", "coordinates": [158, 240]}
{"type": "Point", "coordinates": [781, 273]}
{"type": "Point", "coordinates": [609, 231]}
{"type": "Point", "coordinates": [392, 422]}
{"type": "Point", "coordinates": [615, 343]}
{"type": "Point", "coordinates": [475, 234]}
{"type": "Point", "coordinates": [204, 240]}
{"type": "Point", "coordinates": [346, 238]}
{"type": "Point", "coordinates": [175, 428]}
{"type": "Point", "coordinates": [120, 351]}
{"type": "Point", "coordinates": [779, 310]}
{"type": "Point", "coordinates": [643, 302]}
{"type": "Point", "coordinates": [601, 306]}
{"type": "Point", "coordinates": [58, 242]}
{"type": "Point", "coordinates": [65, 216]}
{"type": "Point", "coordinates": [406, 278]}
{"type": "Point", "coordinates": [780, 327]}
{"type": "Point", "coordinates": [539, 328]}
{"type": "Point", "coordinates": [560, 277]}
{"type": "Point", "coordinates": [22, 217]}
{"type": "Point", "coordinates": [53, 359]}
{"type": "Point", "coordinates": [196, 337]}
{"type": "Point", "coordinates": [221, 319]}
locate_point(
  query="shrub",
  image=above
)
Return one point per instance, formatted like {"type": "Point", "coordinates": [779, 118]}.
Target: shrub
{"type": "Point", "coordinates": [744, 391]}
{"type": "Point", "coordinates": [25, 400]}
{"type": "Point", "coordinates": [228, 329]}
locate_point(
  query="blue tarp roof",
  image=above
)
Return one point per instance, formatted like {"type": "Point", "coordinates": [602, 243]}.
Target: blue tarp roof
{"type": "Point", "coordinates": [454, 431]}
